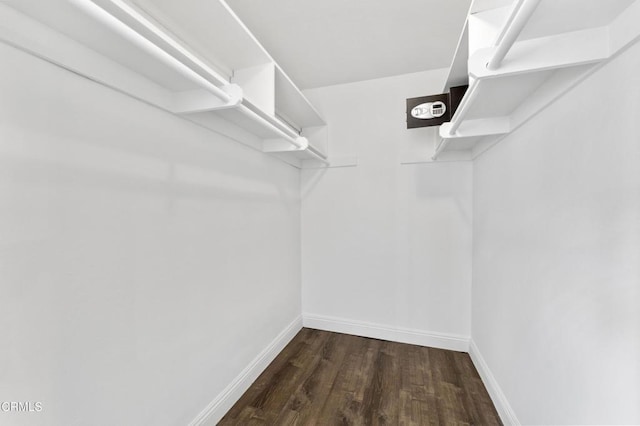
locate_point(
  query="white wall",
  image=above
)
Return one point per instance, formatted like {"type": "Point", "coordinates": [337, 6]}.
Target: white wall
{"type": "Point", "coordinates": [556, 271]}
{"type": "Point", "coordinates": [385, 244]}
{"type": "Point", "coordinates": [144, 261]}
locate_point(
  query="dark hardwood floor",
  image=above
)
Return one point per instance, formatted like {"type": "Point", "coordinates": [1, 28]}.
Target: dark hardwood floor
{"type": "Point", "coordinates": [324, 378]}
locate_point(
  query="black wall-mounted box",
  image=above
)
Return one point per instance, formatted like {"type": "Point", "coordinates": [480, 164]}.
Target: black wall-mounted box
{"type": "Point", "coordinates": [451, 100]}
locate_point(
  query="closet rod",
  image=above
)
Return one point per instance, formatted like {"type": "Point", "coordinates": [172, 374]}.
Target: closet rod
{"type": "Point", "coordinates": [115, 14]}
{"type": "Point", "coordinates": [516, 22]}
{"type": "Point", "coordinates": [127, 21]}
{"type": "Point", "coordinates": [319, 156]}
{"type": "Point", "coordinates": [458, 117]}
{"type": "Point", "coordinates": [290, 137]}
{"type": "Point", "coordinates": [464, 106]}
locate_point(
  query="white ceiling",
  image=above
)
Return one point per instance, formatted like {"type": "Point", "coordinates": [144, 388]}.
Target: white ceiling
{"type": "Point", "coordinates": [326, 42]}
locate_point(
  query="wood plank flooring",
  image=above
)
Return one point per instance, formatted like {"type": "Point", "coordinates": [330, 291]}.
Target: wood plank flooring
{"type": "Point", "coordinates": [324, 378]}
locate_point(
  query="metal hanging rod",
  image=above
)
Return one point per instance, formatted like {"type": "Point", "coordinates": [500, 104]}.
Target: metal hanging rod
{"type": "Point", "coordinates": [516, 22]}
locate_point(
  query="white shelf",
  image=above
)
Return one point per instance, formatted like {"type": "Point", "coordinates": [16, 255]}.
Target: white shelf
{"type": "Point", "coordinates": [560, 45]}
{"type": "Point", "coordinates": [292, 105]}
{"type": "Point", "coordinates": [210, 29]}
{"type": "Point", "coordinates": [458, 71]}
{"type": "Point", "coordinates": [192, 58]}
{"type": "Point", "coordinates": [558, 17]}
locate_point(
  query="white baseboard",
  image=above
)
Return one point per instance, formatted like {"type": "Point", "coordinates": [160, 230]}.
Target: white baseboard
{"type": "Point", "coordinates": [395, 334]}
{"type": "Point", "coordinates": [225, 400]}
{"type": "Point", "coordinates": [507, 415]}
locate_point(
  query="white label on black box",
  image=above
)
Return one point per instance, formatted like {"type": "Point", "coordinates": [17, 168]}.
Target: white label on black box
{"type": "Point", "coordinates": [429, 110]}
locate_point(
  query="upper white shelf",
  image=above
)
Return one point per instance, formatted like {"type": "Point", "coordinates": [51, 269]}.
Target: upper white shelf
{"type": "Point", "coordinates": [520, 57]}
{"type": "Point", "coordinates": [192, 58]}
{"type": "Point", "coordinates": [214, 32]}
{"type": "Point", "coordinates": [292, 105]}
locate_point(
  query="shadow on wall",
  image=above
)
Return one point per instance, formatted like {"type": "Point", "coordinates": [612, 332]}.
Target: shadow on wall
{"type": "Point", "coordinates": [145, 163]}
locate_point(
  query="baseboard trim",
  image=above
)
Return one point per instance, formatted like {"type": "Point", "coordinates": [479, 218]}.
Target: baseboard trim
{"type": "Point", "coordinates": [225, 400]}
{"type": "Point", "coordinates": [507, 415]}
{"type": "Point", "coordinates": [379, 331]}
